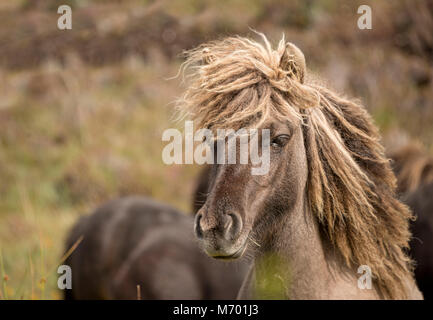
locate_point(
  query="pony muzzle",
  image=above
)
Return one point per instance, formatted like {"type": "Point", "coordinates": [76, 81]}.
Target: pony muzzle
{"type": "Point", "coordinates": [220, 238]}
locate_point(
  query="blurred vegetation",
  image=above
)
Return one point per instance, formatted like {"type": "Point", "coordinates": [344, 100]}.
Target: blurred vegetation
{"type": "Point", "coordinates": [272, 278]}
{"type": "Point", "coordinates": [82, 110]}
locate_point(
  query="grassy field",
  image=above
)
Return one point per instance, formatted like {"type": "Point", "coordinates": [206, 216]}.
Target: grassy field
{"type": "Point", "coordinates": [91, 134]}
{"type": "Point", "coordinates": [82, 111]}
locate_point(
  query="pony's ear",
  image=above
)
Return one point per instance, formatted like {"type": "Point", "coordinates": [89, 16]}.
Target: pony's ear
{"type": "Point", "coordinates": [293, 60]}
{"type": "Point", "coordinates": [207, 57]}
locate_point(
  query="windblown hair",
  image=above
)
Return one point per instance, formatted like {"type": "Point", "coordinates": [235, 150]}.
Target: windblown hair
{"type": "Point", "coordinates": [413, 167]}
{"type": "Point", "coordinates": [237, 82]}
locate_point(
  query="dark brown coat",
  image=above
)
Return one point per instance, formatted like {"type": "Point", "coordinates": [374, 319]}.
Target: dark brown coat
{"type": "Point", "coordinates": [136, 241]}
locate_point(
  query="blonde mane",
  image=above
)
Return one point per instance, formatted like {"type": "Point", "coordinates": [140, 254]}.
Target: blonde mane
{"type": "Point", "coordinates": [237, 82]}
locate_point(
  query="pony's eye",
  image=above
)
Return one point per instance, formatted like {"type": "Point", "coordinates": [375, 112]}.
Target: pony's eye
{"type": "Point", "coordinates": [280, 141]}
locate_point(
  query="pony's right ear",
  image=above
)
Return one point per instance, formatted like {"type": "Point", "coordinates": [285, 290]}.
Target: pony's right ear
{"type": "Point", "coordinates": [293, 61]}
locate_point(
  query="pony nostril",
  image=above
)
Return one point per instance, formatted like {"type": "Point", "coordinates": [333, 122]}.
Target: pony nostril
{"type": "Point", "coordinates": [197, 227]}
{"type": "Point", "coordinates": [233, 226]}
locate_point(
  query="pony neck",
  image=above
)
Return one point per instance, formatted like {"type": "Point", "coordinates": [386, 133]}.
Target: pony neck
{"type": "Point", "coordinates": [311, 268]}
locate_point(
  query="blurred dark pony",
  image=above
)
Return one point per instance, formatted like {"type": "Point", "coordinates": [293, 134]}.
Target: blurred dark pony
{"type": "Point", "coordinates": [414, 170]}
{"type": "Point", "coordinates": [413, 167]}
{"type": "Point", "coordinates": [137, 248]}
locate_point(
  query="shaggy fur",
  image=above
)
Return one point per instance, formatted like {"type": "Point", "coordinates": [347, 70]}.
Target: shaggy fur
{"type": "Point", "coordinates": [239, 83]}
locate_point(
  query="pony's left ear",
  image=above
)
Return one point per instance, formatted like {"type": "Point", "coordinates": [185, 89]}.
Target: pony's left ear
{"type": "Point", "coordinates": [207, 57]}
{"type": "Point", "coordinates": [293, 60]}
